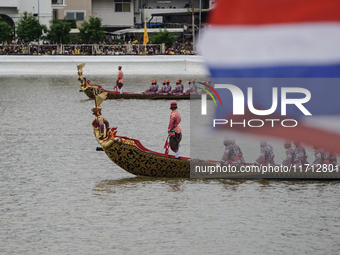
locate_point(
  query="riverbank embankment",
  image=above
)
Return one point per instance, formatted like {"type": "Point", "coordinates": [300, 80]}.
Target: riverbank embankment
{"type": "Point", "coordinates": [51, 65]}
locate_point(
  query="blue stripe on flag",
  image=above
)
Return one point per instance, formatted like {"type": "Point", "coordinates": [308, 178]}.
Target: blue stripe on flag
{"type": "Point", "coordinates": [298, 71]}
{"type": "Point", "coordinates": [324, 95]}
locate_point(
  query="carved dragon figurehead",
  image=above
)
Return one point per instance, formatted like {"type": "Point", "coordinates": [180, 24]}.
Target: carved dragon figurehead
{"type": "Point", "coordinates": [105, 136]}
{"type": "Point", "coordinates": [99, 99]}
{"type": "Point", "coordinates": [80, 68]}
{"type": "Point", "coordinates": [99, 121]}
{"type": "Point", "coordinates": [81, 79]}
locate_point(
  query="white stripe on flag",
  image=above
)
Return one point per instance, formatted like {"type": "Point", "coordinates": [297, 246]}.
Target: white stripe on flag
{"type": "Point", "coordinates": [268, 45]}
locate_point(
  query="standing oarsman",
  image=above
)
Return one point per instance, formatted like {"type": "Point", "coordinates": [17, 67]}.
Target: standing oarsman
{"type": "Point", "coordinates": [174, 130]}
{"type": "Point", "coordinates": [119, 80]}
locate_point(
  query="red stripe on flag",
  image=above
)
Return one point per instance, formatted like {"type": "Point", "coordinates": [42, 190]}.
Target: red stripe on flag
{"type": "Point", "coordinates": [305, 134]}
{"type": "Point", "coordinates": [260, 12]}
{"type": "Point", "coordinates": [313, 136]}
{"type": "Point", "coordinates": [309, 135]}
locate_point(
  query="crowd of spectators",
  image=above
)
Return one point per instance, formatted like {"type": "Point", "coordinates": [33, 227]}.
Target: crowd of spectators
{"type": "Point", "coordinates": [128, 48]}
{"type": "Point", "coordinates": [179, 48]}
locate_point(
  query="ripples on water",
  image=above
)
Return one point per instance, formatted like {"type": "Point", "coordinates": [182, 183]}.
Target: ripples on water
{"type": "Point", "coordinates": [59, 196]}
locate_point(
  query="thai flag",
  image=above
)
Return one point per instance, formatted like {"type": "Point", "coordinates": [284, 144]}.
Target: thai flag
{"type": "Point", "coordinates": [273, 46]}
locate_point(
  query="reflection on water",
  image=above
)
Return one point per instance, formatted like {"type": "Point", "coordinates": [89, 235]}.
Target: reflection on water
{"type": "Point", "coordinates": [58, 195]}
{"type": "Point", "coordinates": [108, 185]}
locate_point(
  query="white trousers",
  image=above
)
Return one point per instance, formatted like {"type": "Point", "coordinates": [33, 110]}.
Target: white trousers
{"type": "Point", "coordinates": [121, 90]}
{"type": "Point", "coordinates": [177, 153]}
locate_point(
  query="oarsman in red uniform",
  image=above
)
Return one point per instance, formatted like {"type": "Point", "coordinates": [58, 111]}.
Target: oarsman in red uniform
{"type": "Point", "coordinates": [168, 86]}
{"type": "Point", "coordinates": [156, 85]}
{"type": "Point", "coordinates": [292, 157]}
{"type": "Point", "coordinates": [301, 152]}
{"type": "Point", "coordinates": [173, 91]}
{"type": "Point", "coordinates": [333, 159]}
{"type": "Point", "coordinates": [163, 89]}
{"type": "Point", "coordinates": [152, 89]}
{"type": "Point", "coordinates": [207, 83]}
{"type": "Point", "coordinates": [119, 80]}
{"type": "Point", "coordinates": [182, 86]}
{"type": "Point", "coordinates": [232, 155]}
{"type": "Point", "coordinates": [147, 90]}
{"type": "Point", "coordinates": [321, 156]}
{"type": "Point", "coordinates": [266, 157]}
{"type": "Point", "coordinates": [204, 82]}
{"type": "Point", "coordinates": [188, 90]}
{"type": "Point", "coordinates": [174, 130]}
{"type": "Point", "coordinates": [192, 87]}
{"type": "Point", "coordinates": [178, 89]}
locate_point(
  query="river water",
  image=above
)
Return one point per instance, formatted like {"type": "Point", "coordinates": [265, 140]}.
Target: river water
{"type": "Point", "coordinates": [59, 196]}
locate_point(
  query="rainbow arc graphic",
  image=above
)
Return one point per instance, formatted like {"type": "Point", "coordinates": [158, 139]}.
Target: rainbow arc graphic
{"type": "Point", "coordinates": [204, 98]}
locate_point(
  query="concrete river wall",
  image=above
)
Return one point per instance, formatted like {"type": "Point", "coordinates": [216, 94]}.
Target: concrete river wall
{"type": "Point", "coordinates": [50, 65]}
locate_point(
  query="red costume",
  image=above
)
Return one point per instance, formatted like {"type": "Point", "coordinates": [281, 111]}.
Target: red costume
{"type": "Point", "coordinates": [174, 130]}
{"type": "Point", "coordinates": [175, 119]}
